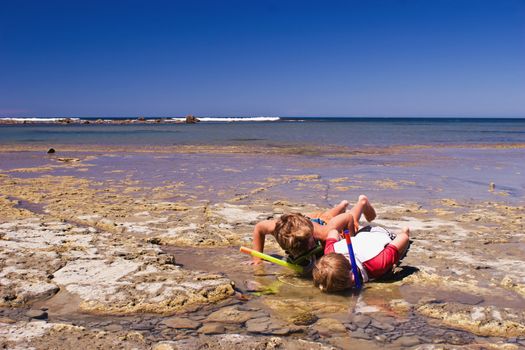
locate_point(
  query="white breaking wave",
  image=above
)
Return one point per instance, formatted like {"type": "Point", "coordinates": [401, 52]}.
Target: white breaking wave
{"type": "Point", "coordinates": [150, 120]}
{"type": "Point", "coordinates": [41, 120]}
{"type": "Point", "coordinates": [236, 119]}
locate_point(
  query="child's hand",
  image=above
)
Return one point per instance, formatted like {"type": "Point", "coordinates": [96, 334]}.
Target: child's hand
{"type": "Point", "coordinates": [254, 261]}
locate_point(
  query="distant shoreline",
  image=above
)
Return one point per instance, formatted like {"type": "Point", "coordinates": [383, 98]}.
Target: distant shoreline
{"type": "Point", "coordinates": [196, 119]}
{"type": "Point", "coordinates": [139, 120]}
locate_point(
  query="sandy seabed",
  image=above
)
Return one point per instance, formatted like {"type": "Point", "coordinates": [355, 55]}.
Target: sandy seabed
{"type": "Point", "coordinates": [105, 247]}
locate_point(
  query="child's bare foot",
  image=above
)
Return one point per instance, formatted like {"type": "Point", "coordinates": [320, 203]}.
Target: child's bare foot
{"type": "Point", "coordinates": [368, 209]}
{"type": "Point", "coordinates": [340, 208]}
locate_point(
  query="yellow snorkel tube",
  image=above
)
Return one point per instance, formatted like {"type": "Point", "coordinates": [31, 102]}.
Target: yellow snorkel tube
{"type": "Point", "coordinates": [294, 264]}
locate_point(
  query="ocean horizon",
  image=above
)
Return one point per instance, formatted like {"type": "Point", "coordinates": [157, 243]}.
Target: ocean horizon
{"type": "Point", "coordinates": [352, 132]}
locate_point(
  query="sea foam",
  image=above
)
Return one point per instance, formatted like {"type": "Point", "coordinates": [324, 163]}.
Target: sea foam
{"type": "Point", "coordinates": [232, 119]}
{"type": "Point", "coordinates": [38, 120]}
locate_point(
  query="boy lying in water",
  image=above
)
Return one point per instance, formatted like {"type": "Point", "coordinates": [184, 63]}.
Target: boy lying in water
{"type": "Point", "coordinates": [298, 234]}
{"type": "Point", "coordinates": [376, 251]}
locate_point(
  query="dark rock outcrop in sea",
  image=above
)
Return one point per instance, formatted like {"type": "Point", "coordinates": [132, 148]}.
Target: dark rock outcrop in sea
{"type": "Point", "coordinates": [190, 119]}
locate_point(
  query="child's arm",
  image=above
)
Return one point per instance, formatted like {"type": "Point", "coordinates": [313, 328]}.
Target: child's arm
{"type": "Point", "coordinates": [259, 232]}
{"type": "Point", "coordinates": [333, 235]}
{"type": "Point", "coordinates": [342, 222]}
{"type": "Point", "coordinates": [331, 239]}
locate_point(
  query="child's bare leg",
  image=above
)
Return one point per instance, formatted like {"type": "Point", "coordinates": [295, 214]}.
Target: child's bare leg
{"type": "Point", "coordinates": [338, 209]}
{"type": "Point", "coordinates": [326, 216]}
{"type": "Point", "coordinates": [401, 241]}
{"type": "Point", "coordinates": [363, 206]}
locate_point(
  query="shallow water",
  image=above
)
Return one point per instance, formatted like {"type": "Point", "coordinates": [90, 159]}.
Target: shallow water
{"type": "Point", "coordinates": [425, 174]}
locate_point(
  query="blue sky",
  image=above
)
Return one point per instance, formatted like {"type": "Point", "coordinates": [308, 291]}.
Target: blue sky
{"type": "Point", "coordinates": [222, 58]}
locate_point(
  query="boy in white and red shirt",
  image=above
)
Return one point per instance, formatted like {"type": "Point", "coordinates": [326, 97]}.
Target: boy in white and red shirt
{"type": "Point", "coordinates": [376, 251]}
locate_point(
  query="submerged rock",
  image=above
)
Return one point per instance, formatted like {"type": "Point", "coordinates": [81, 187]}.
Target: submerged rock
{"type": "Point", "coordinates": [232, 314]}
{"type": "Point", "coordinates": [329, 326]}
{"type": "Point", "coordinates": [268, 326]}
{"type": "Point", "coordinates": [407, 341]}
{"type": "Point", "coordinates": [304, 319]}
{"type": "Point", "coordinates": [361, 321]}
{"type": "Point", "coordinates": [181, 323]}
{"type": "Point", "coordinates": [37, 314]}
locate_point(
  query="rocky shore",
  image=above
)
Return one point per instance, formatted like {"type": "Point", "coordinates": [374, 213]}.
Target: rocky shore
{"type": "Point", "coordinates": [189, 119]}
{"type": "Point", "coordinates": [118, 261]}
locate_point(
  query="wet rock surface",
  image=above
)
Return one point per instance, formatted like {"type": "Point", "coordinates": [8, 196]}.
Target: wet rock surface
{"type": "Point", "coordinates": [109, 275]}
{"type": "Point", "coordinates": [121, 261]}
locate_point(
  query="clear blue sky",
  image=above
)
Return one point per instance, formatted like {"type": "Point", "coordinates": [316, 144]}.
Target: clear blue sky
{"type": "Point", "coordinates": [323, 58]}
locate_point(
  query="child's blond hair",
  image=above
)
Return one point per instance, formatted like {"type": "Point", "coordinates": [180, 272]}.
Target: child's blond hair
{"type": "Point", "coordinates": [293, 232]}
{"type": "Point", "coordinates": [332, 273]}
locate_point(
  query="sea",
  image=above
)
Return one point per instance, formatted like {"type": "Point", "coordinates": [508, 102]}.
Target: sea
{"type": "Point", "coordinates": [355, 132]}
{"type": "Point", "coordinates": [419, 159]}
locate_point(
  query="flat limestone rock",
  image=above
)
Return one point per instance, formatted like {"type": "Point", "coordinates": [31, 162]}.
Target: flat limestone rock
{"type": "Point", "coordinates": [165, 345]}
{"type": "Point", "coordinates": [485, 321]}
{"type": "Point", "coordinates": [212, 328]}
{"type": "Point", "coordinates": [407, 341]}
{"type": "Point", "coordinates": [86, 272]}
{"type": "Point", "coordinates": [361, 321]}
{"type": "Point", "coordinates": [7, 320]}
{"type": "Point", "coordinates": [329, 326]}
{"type": "Point", "coordinates": [237, 214]}
{"type": "Point", "coordinates": [19, 292]}
{"type": "Point", "coordinates": [110, 274]}
{"type": "Point", "coordinates": [24, 331]}
{"type": "Point", "coordinates": [360, 334]}
{"type": "Point", "coordinates": [37, 314]}
{"type": "Point", "coordinates": [238, 341]}
{"type": "Point", "coordinates": [181, 323]}
{"type": "Point", "coordinates": [265, 325]}
{"type": "Point", "coordinates": [258, 325]}
{"type": "Point", "coordinates": [138, 291]}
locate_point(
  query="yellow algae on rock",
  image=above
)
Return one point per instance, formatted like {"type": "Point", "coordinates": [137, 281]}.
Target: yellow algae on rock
{"type": "Point", "coordinates": [408, 182]}
{"type": "Point", "coordinates": [387, 184]}
{"type": "Point", "coordinates": [308, 177]}
{"type": "Point", "coordinates": [164, 346]}
{"type": "Point", "coordinates": [345, 188]}
{"type": "Point", "coordinates": [400, 305]}
{"type": "Point", "coordinates": [32, 170]}
{"type": "Point", "coordinates": [10, 211]}
{"type": "Point", "coordinates": [508, 283]}
{"type": "Point", "coordinates": [329, 326]}
{"type": "Point", "coordinates": [449, 202]}
{"type": "Point", "coordinates": [339, 179]}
